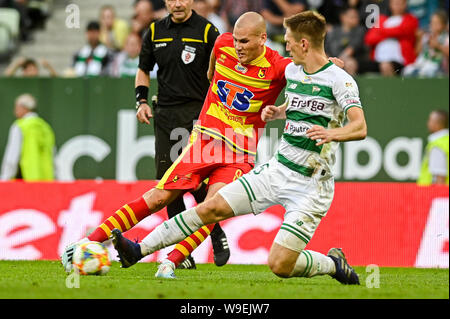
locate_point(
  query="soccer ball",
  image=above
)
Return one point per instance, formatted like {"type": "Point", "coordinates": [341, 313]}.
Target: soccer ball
{"type": "Point", "coordinates": [91, 258]}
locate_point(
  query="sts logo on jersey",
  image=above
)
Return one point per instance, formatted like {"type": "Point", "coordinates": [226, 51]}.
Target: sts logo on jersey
{"type": "Point", "coordinates": [234, 96]}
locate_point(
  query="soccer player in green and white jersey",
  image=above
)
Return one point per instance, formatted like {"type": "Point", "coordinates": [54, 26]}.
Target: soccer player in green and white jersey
{"type": "Point", "coordinates": [320, 96]}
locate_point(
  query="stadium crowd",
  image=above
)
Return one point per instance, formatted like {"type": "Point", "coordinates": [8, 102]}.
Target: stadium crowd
{"type": "Point", "coordinates": [386, 37]}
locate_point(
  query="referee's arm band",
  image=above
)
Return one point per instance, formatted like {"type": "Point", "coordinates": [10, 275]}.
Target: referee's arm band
{"type": "Point", "coordinates": [141, 93]}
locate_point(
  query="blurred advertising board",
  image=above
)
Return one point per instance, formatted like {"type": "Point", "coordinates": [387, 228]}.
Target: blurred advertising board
{"type": "Point", "coordinates": [386, 224]}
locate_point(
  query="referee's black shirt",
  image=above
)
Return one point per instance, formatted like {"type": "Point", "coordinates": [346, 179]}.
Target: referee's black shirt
{"type": "Point", "coordinates": [182, 52]}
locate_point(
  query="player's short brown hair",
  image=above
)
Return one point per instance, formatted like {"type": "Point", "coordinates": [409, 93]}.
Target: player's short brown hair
{"type": "Point", "coordinates": [308, 24]}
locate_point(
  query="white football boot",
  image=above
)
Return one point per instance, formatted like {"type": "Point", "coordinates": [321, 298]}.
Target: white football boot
{"type": "Point", "coordinates": [67, 256]}
{"type": "Point", "coordinates": [166, 270]}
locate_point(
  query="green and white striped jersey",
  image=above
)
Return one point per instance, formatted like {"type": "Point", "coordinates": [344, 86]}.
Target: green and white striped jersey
{"type": "Point", "coordinates": [321, 98]}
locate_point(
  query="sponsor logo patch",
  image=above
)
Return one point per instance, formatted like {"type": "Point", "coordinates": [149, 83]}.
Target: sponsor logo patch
{"type": "Point", "coordinates": [240, 68]}
{"type": "Point", "coordinates": [307, 79]}
{"type": "Point", "coordinates": [234, 96]}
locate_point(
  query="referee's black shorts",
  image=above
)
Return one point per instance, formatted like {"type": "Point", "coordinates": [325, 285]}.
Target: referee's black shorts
{"type": "Point", "coordinates": [166, 119]}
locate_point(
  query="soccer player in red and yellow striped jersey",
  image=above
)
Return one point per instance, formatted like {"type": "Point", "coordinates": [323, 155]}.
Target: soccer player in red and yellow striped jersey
{"type": "Point", "coordinates": [231, 113]}
{"type": "Point", "coordinates": [247, 76]}
{"type": "Point", "coordinates": [239, 90]}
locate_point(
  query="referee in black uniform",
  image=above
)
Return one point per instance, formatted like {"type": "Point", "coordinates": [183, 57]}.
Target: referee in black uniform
{"type": "Point", "coordinates": [181, 45]}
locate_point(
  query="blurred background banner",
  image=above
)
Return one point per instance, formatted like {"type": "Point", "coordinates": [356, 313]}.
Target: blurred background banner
{"type": "Point", "coordinates": [387, 224]}
{"type": "Point", "coordinates": [98, 136]}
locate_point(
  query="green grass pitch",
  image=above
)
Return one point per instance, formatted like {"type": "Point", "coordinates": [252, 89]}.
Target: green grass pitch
{"type": "Point", "coordinates": [46, 279]}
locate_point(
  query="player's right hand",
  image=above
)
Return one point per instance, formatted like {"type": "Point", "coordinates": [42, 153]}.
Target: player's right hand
{"type": "Point", "coordinates": [270, 113]}
{"type": "Point", "coordinates": [144, 113]}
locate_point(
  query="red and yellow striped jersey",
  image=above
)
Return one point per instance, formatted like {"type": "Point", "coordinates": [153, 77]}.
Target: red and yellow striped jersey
{"type": "Point", "coordinates": [237, 95]}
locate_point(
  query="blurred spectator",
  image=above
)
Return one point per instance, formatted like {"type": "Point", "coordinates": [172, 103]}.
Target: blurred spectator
{"type": "Point", "coordinates": [274, 11]}
{"type": "Point", "coordinates": [435, 162]}
{"type": "Point", "coordinates": [126, 62]}
{"type": "Point", "coordinates": [346, 40]}
{"type": "Point", "coordinates": [205, 9]}
{"type": "Point", "coordinates": [30, 150]}
{"type": "Point", "coordinates": [136, 26]}
{"type": "Point", "coordinates": [94, 57]}
{"type": "Point", "coordinates": [231, 10]}
{"type": "Point", "coordinates": [423, 10]}
{"type": "Point", "coordinates": [433, 50]}
{"type": "Point", "coordinates": [113, 31]}
{"type": "Point", "coordinates": [28, 67]}
{"type": "Point", "coordinates": [159, 8]}
{"type": "Point", "coordinates": [25, 24]}
{"type": "Point", "coordinates": [32, 13]}
{"type": "Point", "coordinates": [330, 9]}
{"type": "Point", "coordinates": [393, 42]}
{"type": "Point", "coordinates": [38, 12]}
{"type": "Point", "coordinates": [216, 5]}
{"type": "Point", "coordinates": [144, 15]}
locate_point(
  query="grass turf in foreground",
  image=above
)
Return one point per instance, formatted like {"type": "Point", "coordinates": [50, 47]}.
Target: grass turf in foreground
{"type": "Point", "coordinates": [46, 279]}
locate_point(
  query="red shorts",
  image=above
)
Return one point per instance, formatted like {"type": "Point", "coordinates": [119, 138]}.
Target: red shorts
{"type": "Point", "coordinates": [205, 157]}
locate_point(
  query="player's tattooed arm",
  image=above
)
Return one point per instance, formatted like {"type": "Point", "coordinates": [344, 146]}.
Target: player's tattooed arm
{"type": "Point", "coordinates": [272, 112]}
{"type": "Point", "coordinates": [355, 129]}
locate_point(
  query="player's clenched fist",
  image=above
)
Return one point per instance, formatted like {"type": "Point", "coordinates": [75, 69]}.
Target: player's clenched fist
{"type": "Point", "coordinates": [272, 112]}
{"type": "Point", "coordinates": [144, 113]}
{"type": "Point", "coordinates": [269, 113]}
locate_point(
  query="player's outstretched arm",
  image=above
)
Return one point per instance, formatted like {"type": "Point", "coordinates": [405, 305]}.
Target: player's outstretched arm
{"type": "Point", "coordinates": [273, 112]}
{"type": "Point", "coordinates": [355, 129]}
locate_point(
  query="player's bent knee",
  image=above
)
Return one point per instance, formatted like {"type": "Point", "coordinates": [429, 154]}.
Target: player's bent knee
{"type": "Point", "coordinates": [157, 199]}
{"type": "Point", "coordinates": [280, 268]}
{"type": "Point", "coordinates": [282, 260]}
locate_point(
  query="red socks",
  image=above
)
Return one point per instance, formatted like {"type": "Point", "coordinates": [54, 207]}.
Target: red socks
{"type": "Point", "coordinates": [187, 246]}
{"type": "Point", "coordinates": [124, 219]}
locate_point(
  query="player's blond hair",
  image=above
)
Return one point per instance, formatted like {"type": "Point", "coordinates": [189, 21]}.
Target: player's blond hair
{"type": "Point", "coordinates": [310, 25]}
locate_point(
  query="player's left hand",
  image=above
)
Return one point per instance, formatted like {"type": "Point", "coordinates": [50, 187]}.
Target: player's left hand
{"type": "Point", "coordinates": [320, 134]}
